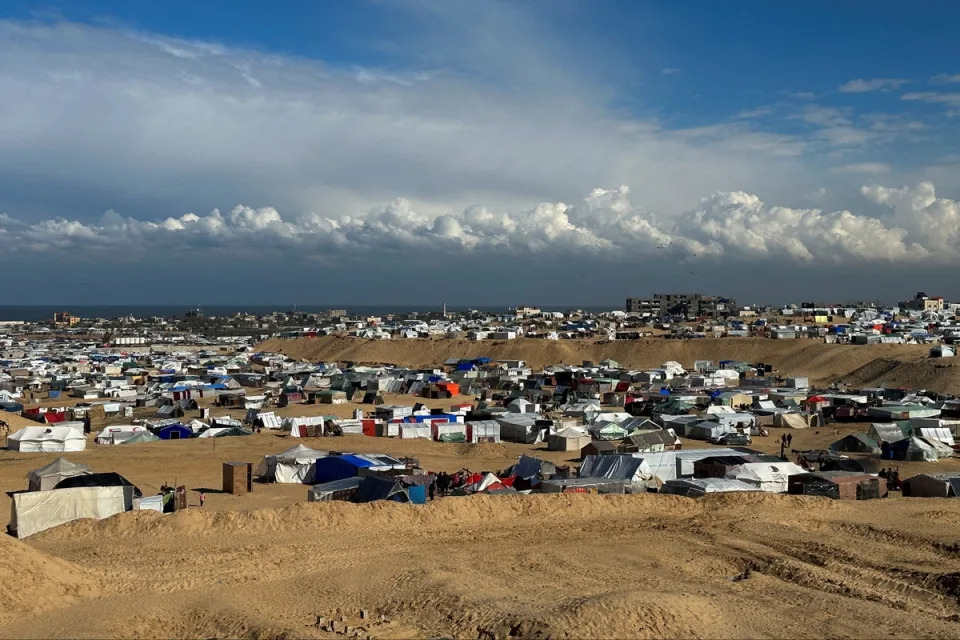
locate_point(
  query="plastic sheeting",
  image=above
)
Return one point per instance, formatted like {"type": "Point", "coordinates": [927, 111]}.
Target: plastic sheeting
{"type": "Point", "coordinates": [36, 511]}
{"type": "Point", "coordinates": [625, 468]}
{"type": "Point", "coordinates": [47, 476]}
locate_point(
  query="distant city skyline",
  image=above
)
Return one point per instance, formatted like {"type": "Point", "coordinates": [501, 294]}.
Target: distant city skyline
{"type": "Point", "coordinates": [488, 153]}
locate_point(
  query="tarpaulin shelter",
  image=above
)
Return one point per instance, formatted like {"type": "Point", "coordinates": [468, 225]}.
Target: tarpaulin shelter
{"type": "Point", "coordinates": [140, 437]}
{"type": "Point", "coordinates": [625, 468]}
{"type": "Point", "coordinates": [349, 465]}
{"type": "Point", "coordinates": [106, 479]}
{"type": "Point", "coordinates": [373, 488]}
{"type": "Point", "coordinates": [568, 439]}
{"type": "Point", "coordinates": [35, 511]}
{"type": "Point", "coordinates": [296, 465]}
{"type": "Point", "coordinates": [47, 476]}
{"type": "Point", "coordinates": [342, 489]}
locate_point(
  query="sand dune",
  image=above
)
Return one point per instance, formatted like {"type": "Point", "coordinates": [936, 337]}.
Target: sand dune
{"type": "Point", "coordinates": [822, 362]}
{"type": "Point", "coordinates": [539, 566]}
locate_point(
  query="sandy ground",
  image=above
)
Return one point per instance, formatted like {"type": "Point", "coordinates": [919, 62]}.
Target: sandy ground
{"type": "Point", "coordinates": [865, 365]}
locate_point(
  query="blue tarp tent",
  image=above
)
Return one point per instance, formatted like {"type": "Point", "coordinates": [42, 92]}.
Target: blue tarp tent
{"type": "Point", "coordinates": [336, 467]}
{"type": "Point", "coordinates": [174, 432]}
{"type": "Point", "coordinates": [417, 493]}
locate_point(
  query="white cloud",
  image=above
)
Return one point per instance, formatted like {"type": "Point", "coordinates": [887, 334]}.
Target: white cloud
{"type": "Point", "coordinates": [863, 168]}
{"type": "Point", "coordinates": [861, 85]}
{"type": "Point", "coordinates": [945, 78]}
{"type": "Point", "coordinates": [734, 226]}
{"type": "Point", "coordinates": [669, 71]}
{"type": "Point", "coordinates": [933, 97]}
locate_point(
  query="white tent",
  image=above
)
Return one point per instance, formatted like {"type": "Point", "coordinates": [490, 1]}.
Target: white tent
{"type": "Point", "coordinates": [294, 424]}
{"type": "Point", "coordinates": [47, 476]}
{"type": "Point", "coordinates": [522, 405]}
{"type": "Point", "coordinates": [35, 511]}
{"type": "Point", "coordinates": [415, 430]}
{"type": "Point", "coordinates": [296, 465]}
{"type": "Point", "coordinates": [625, 468]}
{"type": "Point", "coordinates": [483, 431]}
{"type": "Point", "coordinates": [569, 439]}
{"type": "Point", "coordinates": [766, 476]}
{"type": "Point", "coordinates": [119, 433]}
{"type": "Point", "coordinates": [694, 487]}
{"type": "Point", "coordinates": [47, 439]}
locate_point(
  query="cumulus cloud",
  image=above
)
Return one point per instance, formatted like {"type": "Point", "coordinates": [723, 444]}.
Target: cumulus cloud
{"type": "Point", "coordinates": [861, 85]}
{"type": "Point", "coordinates": [933, 97]}
{"type": "Point", "coordinates": [606, 224]}
{"type": "Point", "coordinates": [945, 78]}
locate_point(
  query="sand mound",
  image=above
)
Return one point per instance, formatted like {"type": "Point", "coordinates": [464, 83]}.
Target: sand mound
{"type": "Point", "coordinates": [934, 374]}
{"type": "Point", "coordinates": [33, 581]}
{"type": "Point", "coordinates": [820, 361]}
{"type": "Point", "coordinates": [481, 450]}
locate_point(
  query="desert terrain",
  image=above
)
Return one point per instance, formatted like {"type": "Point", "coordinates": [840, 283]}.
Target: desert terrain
{"type": "Point", "coordinates": [267, 564]}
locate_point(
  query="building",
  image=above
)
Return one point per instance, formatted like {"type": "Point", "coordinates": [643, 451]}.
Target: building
{"type": "Point", "coordinates": [683, 304]}
{"type": "Point", "coordinates": [64, 319]}
{"type": "Point", "coordinates": [923, 302]}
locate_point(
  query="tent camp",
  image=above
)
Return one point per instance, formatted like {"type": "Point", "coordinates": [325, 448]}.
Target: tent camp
{"type": "Point", "coordinates": [625, 468]}
{"type": "Point", "coordinates": [35, 511]}
{"type": "Point", "coordinates": [917, 449]}
{"type": "Point", "coordinates": [47, 439]}
{"type": "Point", "coordinates": [47, 476]}
{"type": "Point", "coordinates": [568, 439]}
{"type": "Point", "coordinates": [296, 465]}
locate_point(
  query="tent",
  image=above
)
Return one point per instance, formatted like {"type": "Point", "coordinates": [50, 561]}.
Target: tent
{"type": "Point", "coordinates": [349, 465]}
{"type": "Point", "coordinates": [220, 432]}
{"type": "Point", "coordinates": [856, 443]}
{"type": "Point", "coordinates": [916, 449]}
{"type": "Point", "coordinates": [141, 436]}
{"type": "Point", "coordinates": [520, 427]}
{"type": "Point", "coordinates": [621, 467]}
{"type": "Point", "coordinates": [410, 431]}
{"type": "Point", "coordinates": [373, 488]}
{"type": "Point", "coordinates": [696, 487]}
{"type": "Point", "coordinates": [931, 485]}
{"type": "Point", "coordinates": [35, 511]}
{"type": "Point", "coordinates": [47, 476]}
{"type": "Point", "coordinates": [296, 465]}
{"type": "Point", "coordinates": [889, 432]}
{"type": "Point", "coordinates": [607, 431]}
{"type": "Point", "coordinates": [108, 479]}
{"type": "Point", "coordinates": [116, 435]}
{"type": "Point", "coordinates": [174, 432]}
{"type": "Point", "coordinates": [767, 476]}
{"type": "Point", "coordinates": [568, 439]}
{"type": "Point", "coordinates": [483, 431]}
{"type": "Point", "coordinates": [342, 489]}
{"type": "Point", "coordinates": [47, 439]}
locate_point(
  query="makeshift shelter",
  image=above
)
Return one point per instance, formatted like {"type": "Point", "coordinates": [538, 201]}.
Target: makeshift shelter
{"type": "Point", "coordinates": [933, 485]}
{"type": "Point", "coordinates": [483, 431]}
{"type": "Point", "coordinates": [839, 485]}
{"type": "Point", "coordinates": [607, 431]}
{"type": "Point", "coordinates": [532, 469]}
{"type": "Point", "coordinates": [107, 479]}
{"type": "Point", "coordinates": [342, 489]}
{"type": "Point", "coordinates": [35, 511]}
{"type": "Point", "coordinates": [296, 465]}
{"type": "Point", "coordinates": [449, 431]}
{"type": "Point", "coordinates": [915, 449]}
{"type": "Point", "coordinates": [409, 431]}
{"type": "Point", "coordinates": [47, 476]}
{"type": "Point", "coordinates": [116, 435]}
{"type": "Point", "coordinates": [373, 488]}
{"type": "Point", "coordinates": [174, 432]}
{"type": "Point", "coordinates": [598, 448]}
{"type": "Point", "coordinates": [47, 440]}
{"type": "Point", "coordinates": [856, 443]}
{"type": "Point", "coordinates": [221, 432]}
{"type": "Point", "coordinates": [568, 439]}
{"type": "Point", "coordinates": [140, 437]}
{"type": "Point", "coordinates": [585, 485]}
{"type": "Point", "coordinates": [767, 476]}
{"type": "Point", "coordinates": [625, 468]}
{"type": "Point", "coordinates": [520, 427]}
{"type": "Point", "coordinates": [349, 465]}
{"type": "Point", "coordinates": [696, 487]}
{"type": "Point", "coordinates": [889, 432]}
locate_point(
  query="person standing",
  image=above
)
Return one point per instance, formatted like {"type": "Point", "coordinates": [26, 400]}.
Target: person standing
{"type": "Point", "coordinates": [203, 498]}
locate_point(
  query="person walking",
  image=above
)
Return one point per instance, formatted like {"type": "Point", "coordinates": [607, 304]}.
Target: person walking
{"type": "Point", "coordinates": [203, 498]}
{"type": "Point", "coordinates": [432, 487]}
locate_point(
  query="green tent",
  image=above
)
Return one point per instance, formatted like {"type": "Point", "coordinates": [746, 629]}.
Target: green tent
{"type": "Point", "coordinates": [143, 436]}
{"type": "Point", "coordinates": [453, 437]}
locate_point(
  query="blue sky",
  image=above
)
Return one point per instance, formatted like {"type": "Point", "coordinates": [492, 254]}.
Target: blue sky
{"type": "Point", "coordinates": [332, 152]}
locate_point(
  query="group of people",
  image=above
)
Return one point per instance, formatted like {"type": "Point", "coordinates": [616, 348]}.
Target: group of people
{"type": "Point", "coordinates": [892, 476]}
{"type": "Point", "coordinates": [444, 483]}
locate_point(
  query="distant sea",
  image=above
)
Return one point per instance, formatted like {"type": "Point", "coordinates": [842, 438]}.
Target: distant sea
{"type": "Point", "coordinates": [43, 312]}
